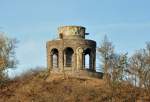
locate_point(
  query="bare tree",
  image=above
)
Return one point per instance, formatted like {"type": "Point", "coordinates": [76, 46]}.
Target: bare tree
{"type": "Point", "coordinates": [118, 65]}
{"type": "Point", "coordinates": [7, 54]}
{"type": "Point", "coordinates": [139, 69]}
{"type": "Point", "coordinates": [137, 66]}
{"type": "Point", "coordinates": [106, 50]}
{"type": "Point", "coordinates": [146, 76]}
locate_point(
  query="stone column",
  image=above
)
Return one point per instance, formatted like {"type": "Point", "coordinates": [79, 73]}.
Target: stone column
{"type": "Point", "coordinates": [83, 60]}
{"type": "Point", "coordinates": [61, 60]}
{"type": "Point", "coordinates": [49, 59]}
{"type": "Point", "coordinates": [79, 60]}
{"type": "Point", "coordinates": [64, 59]}
{"type": "Point", "coordinates": [94, 60]}
{"type": "Point", "coordinates": [93, 56]}
{"type": "Point", "coordinates": [57, 60]}
{"type": "Point", "coordinates": [74, 61]}
{"type": "Point", "coordinates": [90, 61]}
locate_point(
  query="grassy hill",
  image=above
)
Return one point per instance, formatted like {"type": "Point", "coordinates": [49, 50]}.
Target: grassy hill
{"type": "Point", "coordinates": [38, 87]}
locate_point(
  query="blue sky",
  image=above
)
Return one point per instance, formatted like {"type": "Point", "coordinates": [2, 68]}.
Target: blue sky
{"type": "Point", "coordinates": [33, 22]}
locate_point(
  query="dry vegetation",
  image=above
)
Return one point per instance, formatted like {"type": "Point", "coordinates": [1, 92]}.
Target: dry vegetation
{"type": "Point", "coordinates": [7, 55]}
{"type": "Point", "coordinates": [37, 87]}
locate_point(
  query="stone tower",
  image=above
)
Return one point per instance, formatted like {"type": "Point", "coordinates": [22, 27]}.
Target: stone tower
{"type": "Point", "coordinates": [69, 50]}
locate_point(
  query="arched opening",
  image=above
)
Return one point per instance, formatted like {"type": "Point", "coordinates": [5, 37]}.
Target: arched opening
{"type": "Point", "coordinates": [68, 57]}
{"type": "Point", "coordinates": [87, 61]}
{"type": "Point", "coordinates": [54, 58]}
{"type": "Point", "coordinates": [87, 58]}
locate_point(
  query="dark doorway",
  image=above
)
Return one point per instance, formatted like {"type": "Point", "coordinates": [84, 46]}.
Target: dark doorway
{"type": "Point", "coordinates": [68, 57]}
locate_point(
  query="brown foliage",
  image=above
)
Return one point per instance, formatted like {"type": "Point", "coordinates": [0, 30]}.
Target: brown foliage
{"type": "Point", "coordinates": [33, 87]}
{"type": "Point", "coordinates": [7, 56]}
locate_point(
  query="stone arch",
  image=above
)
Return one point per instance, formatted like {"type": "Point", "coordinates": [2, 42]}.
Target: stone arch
{"type": "Point", "coordinates": [87, 58]}
{"type": "Point", "coordinates": [54, 58]}
{"type": "Point", "coordinates": [68, 56]}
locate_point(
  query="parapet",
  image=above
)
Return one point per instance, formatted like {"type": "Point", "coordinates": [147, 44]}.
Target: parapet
{"type": "Point", "coordinates": [71, 32]}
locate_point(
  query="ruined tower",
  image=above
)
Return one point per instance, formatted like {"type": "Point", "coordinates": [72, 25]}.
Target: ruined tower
{"type": "Point", "coordinates": [69, 50]}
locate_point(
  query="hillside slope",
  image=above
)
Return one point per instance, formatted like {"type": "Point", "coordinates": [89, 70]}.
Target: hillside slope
{"type": "Point", "coordinates": [36, 87]}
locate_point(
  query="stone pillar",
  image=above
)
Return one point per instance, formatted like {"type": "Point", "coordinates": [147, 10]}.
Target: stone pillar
{"type": "Point", "coordinates": [74, 61]}
{"type": "Point", "coordinates": [79, 60]}
{"type": "Point", "coordinates": [83, 60]}
{"type": "Point", "coordinates": [49, 59]}
{"type": "Point", "coordinates": [90, 61]}
{"type": "Point", "coordinates": [64, 59]}
{"type": "Point", "coordinates": [57, 60]}
{"type": "Point", "coordinates": [61, 60]}
{"type": "Point", "coordinates": [94, 60]}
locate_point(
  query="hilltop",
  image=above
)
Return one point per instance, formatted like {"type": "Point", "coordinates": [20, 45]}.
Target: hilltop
{"type": "Point", "coordinates": [38, 87]}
